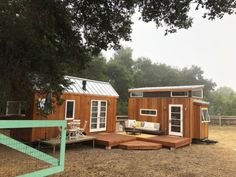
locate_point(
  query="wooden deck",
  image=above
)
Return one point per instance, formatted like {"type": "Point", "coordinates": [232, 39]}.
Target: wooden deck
{"type": "Point", "coordinates": [110, 140]}
{"type": "Point", "coordinates": [140, 145]}
{"type": "Point", "coordinates": [172, 142]}
{"type": "Point", "coordinates": [56, 142]}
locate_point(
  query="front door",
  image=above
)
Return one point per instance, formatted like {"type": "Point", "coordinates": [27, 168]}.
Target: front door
{"type": "Point", "coordinates": [176, 119]}
{"type": "Point", "coordinates": [98, 116]}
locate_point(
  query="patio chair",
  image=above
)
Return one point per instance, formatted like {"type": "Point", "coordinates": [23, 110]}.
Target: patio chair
{"type": "Point", "coordinates": [59, 135]}
{"type": "Point", "coordinates": [84, 127]}
{"type": "Point", "coordinates": [75, 132]}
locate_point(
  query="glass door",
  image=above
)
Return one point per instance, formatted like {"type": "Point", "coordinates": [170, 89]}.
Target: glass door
{"type": "Point", "coordinates": [176, 119]}
{"type": "Point", "coordinates": [98, 116]}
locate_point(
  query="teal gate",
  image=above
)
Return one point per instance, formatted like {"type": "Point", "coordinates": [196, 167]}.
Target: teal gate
{"type": "Point", "coordinates": [56, 164]}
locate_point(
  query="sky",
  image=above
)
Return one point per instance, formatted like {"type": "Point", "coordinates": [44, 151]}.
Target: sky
{"type": "Point", "coordinates": [208, 44]}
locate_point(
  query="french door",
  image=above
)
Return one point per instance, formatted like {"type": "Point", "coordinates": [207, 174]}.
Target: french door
{"type": "Point", "coordinates": [176, 119]}
{"type": "Point", "coordinates": [98, 115]}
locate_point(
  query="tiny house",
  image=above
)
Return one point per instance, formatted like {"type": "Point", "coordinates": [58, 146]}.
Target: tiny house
{"type": "Point", "coordinates": [180, 110]}
{"type": "Point", "coordinates": [86, 100]}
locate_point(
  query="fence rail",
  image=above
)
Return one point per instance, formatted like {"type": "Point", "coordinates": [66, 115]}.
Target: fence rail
{"type": "Point", "coordinates": [222, 120]}
{"type": "Point", "coordinates": [57, 164]}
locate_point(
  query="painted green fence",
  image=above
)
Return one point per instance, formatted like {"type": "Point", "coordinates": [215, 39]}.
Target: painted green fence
{"type": "Point", "coordinates": [56, 165]}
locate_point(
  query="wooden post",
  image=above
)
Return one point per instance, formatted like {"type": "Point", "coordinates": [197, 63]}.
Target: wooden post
{"type": "Point", "coordinates": [220, 121]}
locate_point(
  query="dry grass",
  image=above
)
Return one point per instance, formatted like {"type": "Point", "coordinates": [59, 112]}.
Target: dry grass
{"type": "Point", "coordinates": [191, 161]}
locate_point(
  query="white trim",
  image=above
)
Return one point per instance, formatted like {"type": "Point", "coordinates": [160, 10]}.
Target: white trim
{"type": "Point", "coordinates": [171, 94]}
{"type": "Point", "coordinates": [170, 88]}
{"type": "Point", "coordinates": [73, 110]}
{"type": "Point", "coordinates": [181, 120]}
{"type": "Point", "coordinates": [98, 116]}
{"type": "Point", "coordinates": [202, 115]}
{"type": "Point", "coordinates": [19, 108]}
{"type": "Point", "coordinates": [140, 112]}
{"type": "Point", "coordinates": [201, 102]}
{"type": "Point", "coordinates": [136, 96]}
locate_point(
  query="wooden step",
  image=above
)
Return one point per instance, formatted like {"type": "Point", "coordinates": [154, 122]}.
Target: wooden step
{"type": "Point", "coordinates": [142, 145]}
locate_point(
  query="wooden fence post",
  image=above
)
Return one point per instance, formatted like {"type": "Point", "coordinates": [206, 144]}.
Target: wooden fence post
{"type": "Point", "coordinates": [220, 121]}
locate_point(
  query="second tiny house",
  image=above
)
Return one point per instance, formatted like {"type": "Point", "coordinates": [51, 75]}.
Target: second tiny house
{"type": "Point", "coordinates": [180, 110]}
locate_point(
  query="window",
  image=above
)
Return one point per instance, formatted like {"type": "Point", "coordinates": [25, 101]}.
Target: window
{"type": "Point", "coordinates": [205, 115]}
{"type": "Point", "coordinates": [148, 112]}
{"type": "Point", "coordinates": [16, 108]}
{"type": "Point", "coordinates": [197, 93]}
{"type": "Point", "coordinates": [136, 94]}
{"type": "Point", "coordinates": [70, 107]}
{"type": "Point", "coordinates": [179, 94]}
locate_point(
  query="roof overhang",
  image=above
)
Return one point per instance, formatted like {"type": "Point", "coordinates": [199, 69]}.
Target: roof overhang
{"type": "Point", "coordinates": [201, 102]}
{"type": "Point", "coordinates": [167, 88]}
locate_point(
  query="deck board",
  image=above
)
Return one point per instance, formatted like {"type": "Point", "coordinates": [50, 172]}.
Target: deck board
{"type": "Point", "coordinates": [140, 145]}
{"type": "Point", "coordinates": [169, 141]}
{"type": "Point", "coordinates": [112, 139]}
{"type": "Point", "coordinates": [56, 141]}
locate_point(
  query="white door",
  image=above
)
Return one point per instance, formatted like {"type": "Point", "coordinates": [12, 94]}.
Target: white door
{"type": "Point", "coordinates": [176, 119]}
{"type": "Point", "coordinates": [98, 115]}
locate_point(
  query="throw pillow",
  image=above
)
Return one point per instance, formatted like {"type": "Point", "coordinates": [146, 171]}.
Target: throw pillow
{"type": "Point", "coordinates": [130, 123]}
{"type": "Point", "coordinates": [138, 124]}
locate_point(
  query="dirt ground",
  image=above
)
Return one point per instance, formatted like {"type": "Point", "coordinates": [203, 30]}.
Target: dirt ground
{"type": "Point", "coordinates": [217, 160]}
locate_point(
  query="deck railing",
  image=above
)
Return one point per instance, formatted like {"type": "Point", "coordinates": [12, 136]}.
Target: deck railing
{"type": "Point", "coordinates": [56, 164]}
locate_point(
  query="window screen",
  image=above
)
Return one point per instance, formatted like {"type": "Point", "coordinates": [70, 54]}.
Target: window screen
{"type": "Point", "coordinates": [136, 94]}
{"type": "Point", "coordinates": [148, 112]}
{"type": "Point", "coordinates": [179, 94]}
{"type": "Point", "coordinates": [197, 93]}
{"type": "Point", "coordinates": [205, 115]}
{"type": "Point", "coordinates": [70, 109]}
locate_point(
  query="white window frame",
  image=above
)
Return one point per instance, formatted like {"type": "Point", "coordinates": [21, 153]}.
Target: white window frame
{"type": "Point", "coordinates": [140, 112]}
{"type": "Point", "coordinates": [73, 110]}
{"type": "Point", "coordinates": [19, 108]}
{"type": "Point", "coordinates": [136, 96]}
{"type": "Point", "coordinates": [202, 115]}
{"type": "Point", "coordinates": [180, 95]}
{"type": "Point", "coordinates": [98, 117]}
{"type": "Point", "coordinates": [198, 96]}
{"type": "Point", "coordinates": [181, 120]}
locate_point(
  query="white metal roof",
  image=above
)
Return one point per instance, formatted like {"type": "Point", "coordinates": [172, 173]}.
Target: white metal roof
{"type": "Point", "coordinates": [170, 88]}
{"type": "Point", "coordinates": [92, 87]}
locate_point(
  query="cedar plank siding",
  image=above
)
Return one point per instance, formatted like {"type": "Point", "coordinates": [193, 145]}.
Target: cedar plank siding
{"type": "Point", "coordinates": [160, 98]}
{"type": "Point", "coordinates": [162, 106]}
{"type": "Point", "coordinates": [82, 112]}
{"type": "Point", "coordinates": [200, 129]}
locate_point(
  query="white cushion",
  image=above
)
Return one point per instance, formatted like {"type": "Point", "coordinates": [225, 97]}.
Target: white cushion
{"type": "Point", "coordinates": [130, 123]}
{"type": "Point", "coordinates": [157, 126]}
{"type": "Point", "coordinates": [149, 125]}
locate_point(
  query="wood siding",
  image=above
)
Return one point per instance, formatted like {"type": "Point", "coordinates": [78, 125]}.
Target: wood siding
{"type": "Point", "coordinates": [162, 106]}
{"type": "Point", "coordinates": [82, 112]}
{"type": "Point", "coordinates": [193, 127]}
{"type": "Point", "coordinates": [200, 129]}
